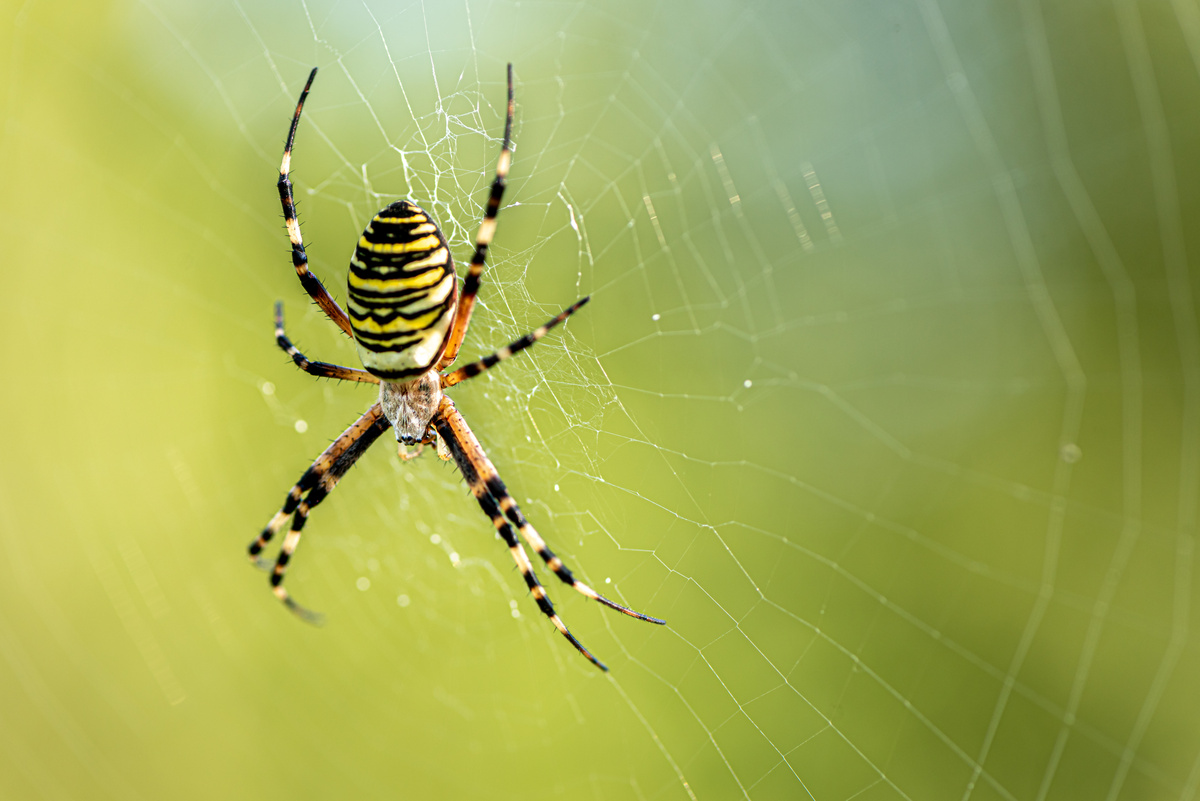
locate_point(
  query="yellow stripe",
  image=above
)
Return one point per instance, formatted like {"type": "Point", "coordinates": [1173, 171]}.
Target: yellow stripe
{"type": "Point", "coordinates": [415, 246]}
{"type": "Point", "coordinates": [385, 285]}
{"type": "Point", "coordinates": [398, 346]}
{"type": "Point", "coordinates": [422, 301]}
{"type": "Point", "coordinates": [416, 218]}
{"type": "Point", "coordinates": [399, 325]}
{"type": "Point", "coordinates": [438, 257]}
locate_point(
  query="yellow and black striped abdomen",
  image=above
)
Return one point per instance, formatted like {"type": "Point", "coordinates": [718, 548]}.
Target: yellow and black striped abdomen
{"type": "Point", "coordinates": [402, 293]}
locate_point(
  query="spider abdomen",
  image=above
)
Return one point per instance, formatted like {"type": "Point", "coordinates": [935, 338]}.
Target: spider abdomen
{"type": "Point", "coordinates": [403, 293]}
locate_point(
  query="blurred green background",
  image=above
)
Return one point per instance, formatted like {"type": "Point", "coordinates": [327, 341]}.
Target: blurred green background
{"type": "Point", "coordinates": [888, 400]}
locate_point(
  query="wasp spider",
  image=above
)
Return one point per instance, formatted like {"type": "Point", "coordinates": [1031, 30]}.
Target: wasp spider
{"type": "Point", "coordinates": [408, 319]}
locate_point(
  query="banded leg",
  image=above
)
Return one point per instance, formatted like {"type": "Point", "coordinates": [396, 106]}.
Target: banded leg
{"type": "Point", "coordinates": [315, 473]}
{"type": "Point", "coordinates": [466, 452]}
{"type": "Point", "coordinates": [483, 240]}
{"type": "Point", "coordinates": [475, 368]}
{"type": "Point", "coordinates": [318, 481]}
{"type": "Point", "coordinates": [312, 285]}
{"type": "Point", "coordinates": [483, 468]}
{"type": "Point", "coordinates": [319, 369]}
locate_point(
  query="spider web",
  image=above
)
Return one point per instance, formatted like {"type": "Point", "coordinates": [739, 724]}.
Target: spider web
{"type": "Point", "coordinates": [888, 400]}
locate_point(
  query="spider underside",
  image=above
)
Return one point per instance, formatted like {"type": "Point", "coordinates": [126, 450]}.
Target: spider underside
{"type": "Point", "coordinates": [408, 319]}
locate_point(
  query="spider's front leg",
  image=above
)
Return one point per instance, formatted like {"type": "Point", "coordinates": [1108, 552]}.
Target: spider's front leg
{"type": "Point", "coordinates": [312, 285]}
{"type": "Point", "coordinates": [483, 240]}
{"type": "Point", "coordinates": [316, 483]}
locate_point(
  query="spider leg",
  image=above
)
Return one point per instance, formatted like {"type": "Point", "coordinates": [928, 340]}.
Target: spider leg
{"type": "Point", "coordinates": [469, 457]}
{"type": "Point", "coordinates": [495, 488]}
{"type": "Point", "coordinates": [319, 369]}
{"type": "Point", "coordinates": [487, 230]}
{"type": "Point", "coordinates": [318, 481]}
{"type": "Point", "coordinates": [475, 368]}
{"type": "Point", "coordinates": [315, 473]}
{"type": "Point", "coordinates": [312, 285]}
{"type": "Point", "coordinates": [513, 512]}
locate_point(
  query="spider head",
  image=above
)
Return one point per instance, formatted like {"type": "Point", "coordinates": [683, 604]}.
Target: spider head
{"type": "Point", "coordinates": [410, 405]}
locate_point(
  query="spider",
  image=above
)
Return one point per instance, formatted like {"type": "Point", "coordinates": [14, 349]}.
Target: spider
{"type": "Point", "coordinates": [408, 319]}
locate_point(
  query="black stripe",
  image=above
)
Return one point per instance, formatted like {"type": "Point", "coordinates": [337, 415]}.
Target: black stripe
{"type": "Point", "coordinates": [391, 233]}
{"type": "Point", "coordinates": [446, 432]}
{"type": "Point", "coordinates": [373, 275]}
{"type": "Point", "coordinates": [400, 209]}
{"type": "Point", "coordinates": [389, 219]}
{"type": "Point", "coordinates": [372, 342]}
{"type": "Point", "coordinates": [399, 375]}
{"type": "Point", "coordinates": [401, 311]}
{"type": "Point", "coordinates": [299, 258]}
{"type": "Point", "coordinates": [563, 572]}
{"type": "Point", "coordinates": [496, 487]}
{"type": "Point", "coordinates": [473, 369]}
{"type": "Point", "coordinates": [347, 459]}
{"type": "Point", "coordinates": [374, 299]}
{"type": "Point", "coordinates": [307, 481]}
{"type": "Point", "coordinates": [384, 265]}
{"type": "Point", "coordinates": [545, 605]}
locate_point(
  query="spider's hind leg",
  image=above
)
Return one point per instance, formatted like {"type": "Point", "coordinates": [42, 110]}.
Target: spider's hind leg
{"type": "Point", "coordinates": [509, 506]}
{"type": "Point", "coordinates": [469, 457]}
{"type": "Point", "coordinates": [494, 488]}
{"type": "Point", "coordinates": [316, 483]}
{"type": "Point", "coordinates": [493, 497]}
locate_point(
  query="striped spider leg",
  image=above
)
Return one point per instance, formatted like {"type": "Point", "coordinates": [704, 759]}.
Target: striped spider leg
{"type": "Point", "coordinates": [322, 476]}
{"type": "Point", "coordinates": [316, 483]}
{"type": "Point", "coordinates": [319, 369]}
{"type": "Point", "coordinates": [312, 285]}
{"type": "Point", "coordinates": [483, 240]}
{"type": "Point", "coordinates": [498, 504]}
{"type": "Point", "coordinates": [408, 320]}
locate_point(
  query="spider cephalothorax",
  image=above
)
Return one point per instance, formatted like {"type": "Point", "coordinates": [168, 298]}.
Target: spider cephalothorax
{"type": "Point", "coordinates": [408, 318]}
{"type": "Point", "coordinates": [410, 405]}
